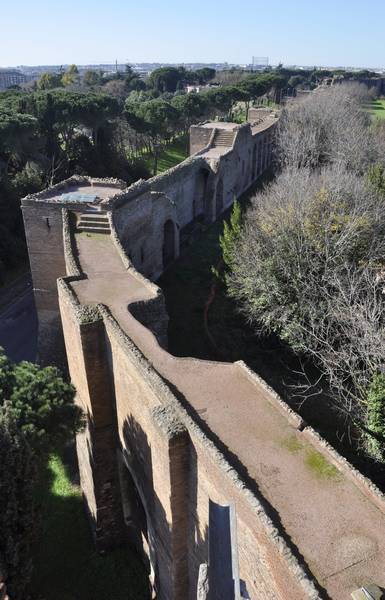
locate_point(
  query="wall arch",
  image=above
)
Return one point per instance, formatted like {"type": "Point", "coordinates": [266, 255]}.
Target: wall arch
{"type": "Point", "coordinates": [137, 517]}
{"type": "Point", "coordinates": [169, 239]}
{"type": "Point", "coordinates": [200, 193]}
{"type": "Point", "coordinates": [254, 163]}
{"type": "Point", "coordinates": [219, 198]}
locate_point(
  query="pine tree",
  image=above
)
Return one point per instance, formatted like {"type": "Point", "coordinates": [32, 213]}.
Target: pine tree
{"type": "Point", "coordinates": [17, 512]}
{"type": "Point", "coordinates": [231, 232]}
{"type": "Point", "coordinates": [40, 402]}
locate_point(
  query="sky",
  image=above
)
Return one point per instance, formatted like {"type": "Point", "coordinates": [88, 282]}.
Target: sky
{"type": "Point", "coordinates": [303, 32]}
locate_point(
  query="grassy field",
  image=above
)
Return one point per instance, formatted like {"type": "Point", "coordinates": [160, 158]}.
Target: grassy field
{"type": "Point", "coordinates": [169, 156]}
{"type": "Point", "coordinates": [377, 108]}
{"type": "Point", "coordinates": [67, 567]}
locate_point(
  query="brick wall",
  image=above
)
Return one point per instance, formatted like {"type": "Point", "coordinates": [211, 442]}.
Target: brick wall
{"type": "Point", "coordinates": [175, 467]}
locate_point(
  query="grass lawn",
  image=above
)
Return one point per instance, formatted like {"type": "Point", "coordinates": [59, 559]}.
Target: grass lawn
{"type": "Point", "coordinates": [377, 108]}
{"type": "Point", "coordinates": [67, 567]}
{"type": "Point", "coordinates": [171, 155]}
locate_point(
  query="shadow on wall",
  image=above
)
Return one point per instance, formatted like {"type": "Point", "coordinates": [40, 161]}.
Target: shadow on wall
{"type": "Point", "coordinates": [66, 564]}
{"type": "Point", "coordinates": [197, 537]}
{"type": "Point", "coordinates": [250, 483]}
{"type": "Point", "coordinates": [170, 565]}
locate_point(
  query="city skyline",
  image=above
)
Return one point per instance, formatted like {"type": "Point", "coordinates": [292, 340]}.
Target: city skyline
{"type": "Point", "coordinates": [293, 33]}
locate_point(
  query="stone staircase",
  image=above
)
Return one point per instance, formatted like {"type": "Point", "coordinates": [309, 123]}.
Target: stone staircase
{"type": "Point", "coordinates": [223, 137]}
{"type": "Point", "coordinates": [94, 222]}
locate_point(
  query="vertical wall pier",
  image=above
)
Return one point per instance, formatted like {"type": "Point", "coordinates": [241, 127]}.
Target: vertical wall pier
{"type": "Point", "coordinates": [97, 444]}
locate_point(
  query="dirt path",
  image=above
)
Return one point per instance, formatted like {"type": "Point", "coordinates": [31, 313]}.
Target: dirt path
{"type": "Point", "coordinates": [340, 533]}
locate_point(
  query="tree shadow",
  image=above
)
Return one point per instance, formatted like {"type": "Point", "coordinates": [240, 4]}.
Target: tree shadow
{"type": "Point", "coordinates": [175, 549]}
{"type": "Point", "coordinates": [248, 480]}
{"type": "Point", "coordinates": [66, 564]}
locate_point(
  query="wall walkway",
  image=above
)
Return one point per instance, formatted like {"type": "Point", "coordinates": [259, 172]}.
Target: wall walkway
{"type": "Point", "coordinates": [337, 530]}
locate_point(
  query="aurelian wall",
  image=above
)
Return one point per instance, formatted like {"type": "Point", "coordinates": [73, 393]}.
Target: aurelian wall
{"type": "Point", "coordinates": [136, 425]}
{"type": "Point", "coordinates": [201, 187]}
{"type": "Point", "coordinates": [176, 469]}
{"type": "Point", "coordinates": [43, 229]}
{"type": "Point", "coordinates": [149, 216]}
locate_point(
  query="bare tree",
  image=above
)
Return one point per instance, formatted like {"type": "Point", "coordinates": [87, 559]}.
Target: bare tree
{"type": "Point", "coordinates": [328, 126]}
{"type": "Point", "coordinates": [307, 266]}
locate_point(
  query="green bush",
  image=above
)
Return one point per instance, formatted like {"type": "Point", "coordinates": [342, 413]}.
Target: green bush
{"type": "Point", "coordinates": [376, 417]}
{"type": "Point", "coordinates": [37, 414]}
{"type": "Point", "coordinates": [17, 511]}
{"type": "Point", "coordinates": [231, 232]}
{"type": "Point", "coordinates": [40, 402]}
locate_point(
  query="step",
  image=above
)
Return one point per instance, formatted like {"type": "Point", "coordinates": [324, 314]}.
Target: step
{"type": "Point", "coordinates": [224, 138]}
{"type": "Point", "coordinates": [105, 226]}
{"type": "Point", "coordinates": [94, 217]}
{"type": "Point", "coordinates": [93, 229]}
{"type": "Point", "coordinates": [93, 220]}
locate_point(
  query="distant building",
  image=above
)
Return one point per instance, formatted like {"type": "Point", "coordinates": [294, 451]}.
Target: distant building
{"type": "Point", "coordinates": [260, 62]}
{"type": "Point", "coordinates": [10, 77]}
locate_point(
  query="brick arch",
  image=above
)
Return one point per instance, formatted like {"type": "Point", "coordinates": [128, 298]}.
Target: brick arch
{"type": "Point", "coordinates": [137, 517]}
{"type": "Point", "coordinates": [254, 163]}
{"type": "Point", "coordinates": [169, 242]}
{"type": "Point", "coordinates": [219, 204]}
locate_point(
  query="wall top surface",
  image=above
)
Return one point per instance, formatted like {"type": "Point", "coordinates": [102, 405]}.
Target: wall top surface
{"type": "Point", "coordinates": [317, 496]}
{"type": "Point", "coordinates": [78, 190]}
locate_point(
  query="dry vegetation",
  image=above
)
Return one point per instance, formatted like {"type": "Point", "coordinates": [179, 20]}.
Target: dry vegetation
{"type": "Point", "coordinates": [308, 263]}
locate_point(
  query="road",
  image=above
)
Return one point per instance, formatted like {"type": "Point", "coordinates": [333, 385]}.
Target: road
{"type": "Point", "coordinates": [18, 320]}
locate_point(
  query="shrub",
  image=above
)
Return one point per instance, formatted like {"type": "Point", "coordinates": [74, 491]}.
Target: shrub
{"type": "Point", "coordinates": [17, 511]}
{"type": "Point", "coordinates": [307, 266]}
{"type": "Point", "coordinates": [39, 401]}
{"type": "Point", "coordinates": [376, 417]}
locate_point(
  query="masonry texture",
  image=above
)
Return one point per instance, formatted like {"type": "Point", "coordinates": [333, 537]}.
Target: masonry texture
{"type": "Point", "coordinates": [166, 435]}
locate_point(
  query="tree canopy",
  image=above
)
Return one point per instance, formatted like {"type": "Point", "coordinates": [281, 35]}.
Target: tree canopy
{"type": "Point", "coordinates": [308, 262]}
{"type": "Point", "coordinates": [40, 403]}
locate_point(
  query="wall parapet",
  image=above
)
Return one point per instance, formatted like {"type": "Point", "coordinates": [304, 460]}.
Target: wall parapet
{"type": "Point", "coordinates": [369, 489]}
{"type": "Point", "coordinates": [176, 418]}
{"type": "Point", "coordinates": [74, 180]}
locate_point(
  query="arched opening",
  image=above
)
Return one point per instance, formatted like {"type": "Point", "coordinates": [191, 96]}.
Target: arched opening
{"type": "Point", "coordinates": [199, 205]}
{"type": "Point", "coordinates": [260, 157]}
{"type": "Point", "coordinates": [254, 162]}
{"type": "Point", "coordinates": [219, 198]}
{"type": "Point", "coordinates": [168, 243]}
{"type": "Point", "coordinates": [133, 510]}
{"type": "Point", "coordinates": [139, 534]}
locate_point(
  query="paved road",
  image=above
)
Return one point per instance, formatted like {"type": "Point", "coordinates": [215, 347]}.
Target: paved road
{"type": "Point", "coordinates": [18, 321]}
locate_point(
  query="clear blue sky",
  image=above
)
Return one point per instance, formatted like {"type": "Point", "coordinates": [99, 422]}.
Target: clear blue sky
{"type": "Point", "coordinates": [323, 32]}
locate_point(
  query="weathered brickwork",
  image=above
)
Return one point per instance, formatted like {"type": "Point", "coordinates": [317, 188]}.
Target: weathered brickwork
{"type": "Point", "coordinates": [141, 213]}
{"type": "Point", "coordinates": [150, 461]}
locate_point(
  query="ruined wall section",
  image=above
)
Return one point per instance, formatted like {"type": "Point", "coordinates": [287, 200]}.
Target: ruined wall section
{"type": "Point", "coordinates": [200, 138]}
{"type": "Point", "coordinates": [203, 186]}
{"type": "Point", "coordinates": [177, 469]}
{"type": "Point", "coordinates": [151, 313]}
{"type": "Point", "coordinates": [96, 445]}
{"type": "Point", "coordinates": [175, 466]}
{"type": "Point", "coordinates": [139, 215]}
{"type": "Point", "coordinates": [43, 229]}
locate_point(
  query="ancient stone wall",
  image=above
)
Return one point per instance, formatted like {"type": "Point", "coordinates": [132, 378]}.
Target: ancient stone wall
{"type": "Point", "coordinates": [174, 465]}
{"type": "Point", "coordinates": [203, 186]}
{"type": "Point", "coordinates": [43, 229]}
{"type": "Point", "coordinates": [148, 216]}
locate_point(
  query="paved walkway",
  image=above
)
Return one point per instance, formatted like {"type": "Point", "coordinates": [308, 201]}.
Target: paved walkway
{"type": "Point", "coordinates": [340, 533]}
